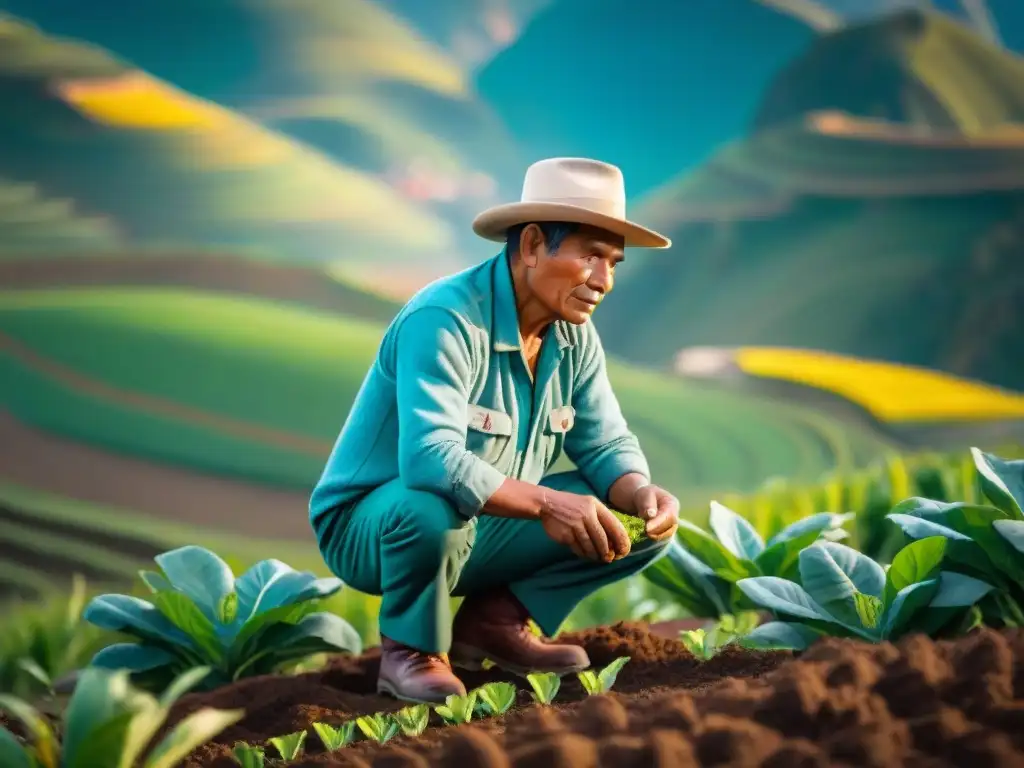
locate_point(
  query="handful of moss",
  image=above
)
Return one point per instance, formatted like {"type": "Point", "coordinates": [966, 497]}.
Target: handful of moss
{"type": "Point", "coordinates": [635, 527]}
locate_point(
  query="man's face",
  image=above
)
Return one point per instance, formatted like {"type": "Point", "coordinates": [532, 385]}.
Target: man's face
{"type": "Point", "coordinates": [577, 277]}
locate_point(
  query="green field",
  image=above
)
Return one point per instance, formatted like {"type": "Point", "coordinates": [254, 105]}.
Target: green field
{"type": "Point", "coordinates": [258, 389]}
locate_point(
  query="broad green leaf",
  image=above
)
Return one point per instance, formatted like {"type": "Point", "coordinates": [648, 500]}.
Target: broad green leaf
{"type": "Point", "coordinates": [689, 589]}
{"type": "Point", "coordinates": [253, 584]}
{"type": "Point", "coordinates": [103, 747]}
{"type": "Point", "coordinates": [590, 682]}
{"type": "Point", "coordinates": [545, 686]}
{"type": "Point", "coordinates": [831, 571]}
{"type": "Point", "coordinates": [156, 582]}
{"type": "Point", "coordinates": [133, 656]}
{"type": "Point", "coordinates": [200, 574]}
{"type": "Point", "coordinates": [918, 561]}
{"type": "Point", "coordinates": [497, 698]}
{"type": "Point", "coordinates": [779, 636]}
{"type": "Point", "coordinates": [736, 534]}
{"type": "Point", "coordinates": [610, 673]}
{"type": "Point", "coordinates": [284, 643]}
{"type": "Point", "coordinates": [782, 596]}
{"type": "Point", "coordinates": [249, 634]}
{"type": "Point", "coordinates": [289, 746]}
{"type": "Point", "coordinates": [181, 611]}
{"type": "Point", "coordinates": [1002, 482]}
{"type": "Point", "coordinates": [906, 606]}
{"type": "Point", "coordinates": [194, 731]}
{"type": "Point", "coordinates": [100, 696]}
{"type": "Point", "coordinates": [782, 558]}
{"type": "Point", "coordinates": [334, 738]}
{"type": "Point", "coordinates": [978, 523]}
{"type": "Point", "coordinates": [816, 523]}
{"type": "Point", "coordinates": [710, 551]}
{"type": "Point", "coordinates": [131, 616]}
{"type": "Point", "coordinates": [958, 591]}
{"type": "Point", "coordinates": [920, 528]}
{"type": "Point", "coordinates": [696, 642]}
{"type": "Point", "coordinates": [1012, 531]}
{"type": "Point", "coordinates": [413, 720]}
{"type": "Point", "coordinates": [12, 754]}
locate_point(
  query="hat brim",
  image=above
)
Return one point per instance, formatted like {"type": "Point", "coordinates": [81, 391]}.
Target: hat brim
{"type": "Point", "coordinates": [493, 223]}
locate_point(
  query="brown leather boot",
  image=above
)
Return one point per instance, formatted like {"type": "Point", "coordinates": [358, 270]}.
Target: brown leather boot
{"type": "Point", "coordinates": [494, 626]}
{"type": "Point", "coordinates": [412, 675]}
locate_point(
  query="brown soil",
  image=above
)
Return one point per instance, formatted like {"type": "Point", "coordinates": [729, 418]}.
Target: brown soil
{"type": "Point", "coordinates": [917, 703]}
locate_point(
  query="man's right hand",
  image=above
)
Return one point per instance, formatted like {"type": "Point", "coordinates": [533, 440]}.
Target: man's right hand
{"type": "Point", "coordinates": [585, 525]}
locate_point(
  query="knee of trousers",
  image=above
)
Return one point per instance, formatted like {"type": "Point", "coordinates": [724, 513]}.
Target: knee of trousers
{"type": "Point", "coordinates": [426, 529]}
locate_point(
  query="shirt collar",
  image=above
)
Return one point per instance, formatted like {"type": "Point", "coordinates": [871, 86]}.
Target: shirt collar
{"type": "Point", "coordinates": [505, 322]}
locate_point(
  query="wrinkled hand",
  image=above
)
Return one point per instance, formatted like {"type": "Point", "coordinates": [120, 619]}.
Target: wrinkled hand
{"type": "Point", "coordinates": [585, 525]}
{"type": "Point", "coordinates": [659, 508]}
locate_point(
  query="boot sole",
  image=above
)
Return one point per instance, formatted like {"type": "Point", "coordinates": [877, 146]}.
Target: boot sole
{"type": "Point", "coordinates": [386, 688]}
{"type": "Point", "coordinates": [471, 659]}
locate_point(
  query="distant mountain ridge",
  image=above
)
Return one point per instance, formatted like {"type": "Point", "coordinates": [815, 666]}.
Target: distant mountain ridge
{"type": "Point", "coordinates": [833, 229]}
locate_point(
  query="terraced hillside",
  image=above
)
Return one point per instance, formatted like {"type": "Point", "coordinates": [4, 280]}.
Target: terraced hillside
{"type": "Point", "coordinates": [258, 390]}
{"type": "Point", "coordinates": [164, 166]}
{"type": "Point", "coordinates": [894, 239]}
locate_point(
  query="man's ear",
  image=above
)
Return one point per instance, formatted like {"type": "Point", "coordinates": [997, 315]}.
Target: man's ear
{"type": "Point", "coordinates": [532, 247]}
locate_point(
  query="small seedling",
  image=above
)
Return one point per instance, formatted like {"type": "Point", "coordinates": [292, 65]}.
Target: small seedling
{"type": "Point", "coordinates": [699, 643]}
{"type": "Point", "coordinates": [413, 720]}
{"type": "Point", "coordinates": [381, 727]}
{"type": "Point", "coordinates": [495, 698]}
{"type": "Point", "coordinates": [289, 746]}
{"type": "Point", "coordinates": [335, 738]}
{"type": "Point", "coordinates": [545, 686]}
{"type": "Point", "coordinates": [602, 682]}
{"type": "Point", "coordinates": [248, 756]}
{"type": "Point", "coordinates": [457, 709]}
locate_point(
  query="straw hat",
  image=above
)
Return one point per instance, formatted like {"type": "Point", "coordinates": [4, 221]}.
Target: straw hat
{"type": "Point", "coordinates": [572, 189]}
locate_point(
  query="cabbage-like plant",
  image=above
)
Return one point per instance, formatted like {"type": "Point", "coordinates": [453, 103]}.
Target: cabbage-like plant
{"type": "Point", "coordinates": [847, 594]}
{"type": "Point", "coordinates": [109, 724]}
{"type": "Point", "coordinates": [701, 569]}
{"type": "Point", "coordinates": [201, 614]}
{"type": "Point", "coordinates": [984, 541]}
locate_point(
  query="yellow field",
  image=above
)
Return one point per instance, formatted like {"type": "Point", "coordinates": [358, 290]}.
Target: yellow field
{"type": "Point", "coordinates": [889, 391]}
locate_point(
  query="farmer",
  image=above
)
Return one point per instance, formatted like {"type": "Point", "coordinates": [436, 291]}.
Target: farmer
{"type": "Point", "coordinates": [436, 486]}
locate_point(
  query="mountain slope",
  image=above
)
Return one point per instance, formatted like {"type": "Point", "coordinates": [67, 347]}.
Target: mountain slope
{"type": "Point", "coordinates": [648, 85]}
{"type": "Point", "coordinates": [167, 166]}
{"type": "Point", "coordinates": [837, 231]}
{"type": "Point", "coordinates": [349, 78]}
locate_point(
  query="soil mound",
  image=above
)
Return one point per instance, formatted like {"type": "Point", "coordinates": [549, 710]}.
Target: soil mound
{"type": "Point", "coordinates": [917, 703]}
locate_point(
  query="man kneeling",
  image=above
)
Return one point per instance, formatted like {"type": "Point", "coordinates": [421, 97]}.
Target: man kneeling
{"type": "Point", "coordinates": [438, 486]}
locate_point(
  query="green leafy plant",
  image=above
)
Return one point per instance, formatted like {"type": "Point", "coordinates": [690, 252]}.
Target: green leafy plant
{"type": "Point", "coordinates": [413, 720]}
{"type": "Point", "coordinates": [108, 724]}
{"type": "Point", "coordinates": [45, 641]}
{"type": "Point", "coordinates": [603, 680]}
{"type": "Point", "coordinates": [457, 710]}
{"type": "Point", "coordinates": [289, 746]}
{"type": "Point", "coordinates": [699, 642]}
{"type": "Point", "coordinates": [545, 686]}
{"type": "Point", "coordinates": [336, 737]}
{"type": "Point", "coordinates": [495, 698]}
{"type": "Point", "coordinates": [380, 727]}
{"type": "Point", "coordinates": [248, 756]}
{"type": "Point", "coordinates": [701, 569]}
{"type": "Point", "coordinates": [984, 541]}
{"type": "Point", "coordinates": [201, 614]}
{"type": "Point", "coordinates": [847, 594]}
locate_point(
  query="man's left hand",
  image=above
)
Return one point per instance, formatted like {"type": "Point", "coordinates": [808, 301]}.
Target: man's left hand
{"type": "Point", "coordinates": [659, 508]}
